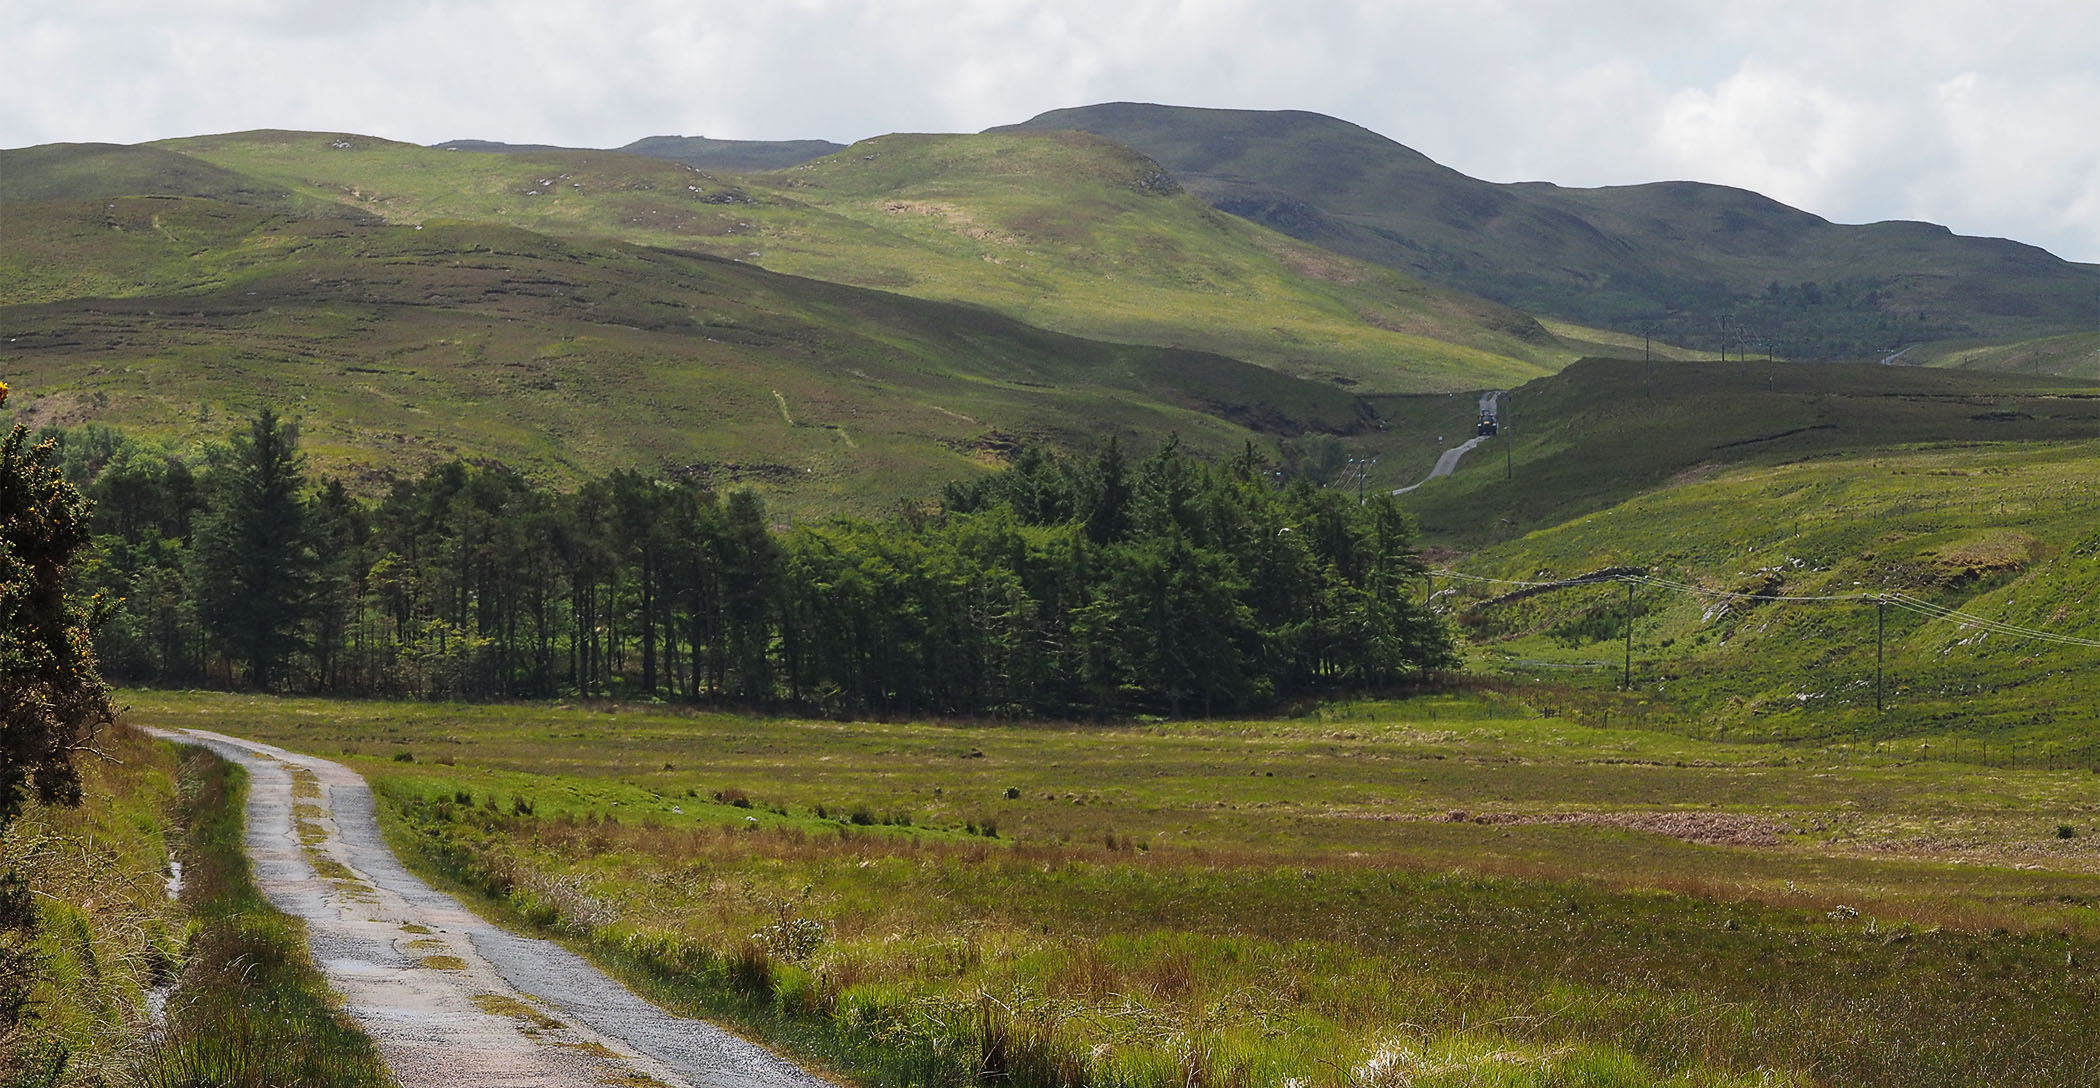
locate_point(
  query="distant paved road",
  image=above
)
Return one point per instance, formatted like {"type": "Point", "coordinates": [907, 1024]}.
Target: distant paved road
{"type": "Point", "coordinates": [452, 1001]}
{"type": "Point", "coordinates": [1447, 462]}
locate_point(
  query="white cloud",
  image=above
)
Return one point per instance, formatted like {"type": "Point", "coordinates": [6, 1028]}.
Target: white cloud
{"type": "Point", "coordinates": [1770, 131]}
{"type": "Point", "coordinates": [1962, 112]}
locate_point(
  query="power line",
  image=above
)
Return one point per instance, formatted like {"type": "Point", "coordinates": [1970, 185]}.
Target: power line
{"type": "Point", "coordinates": [1728, 594]}
{"type": "Point", "coordinates": [1893, 599]}
{"type": "Point", "coordinates": [1967, 619]}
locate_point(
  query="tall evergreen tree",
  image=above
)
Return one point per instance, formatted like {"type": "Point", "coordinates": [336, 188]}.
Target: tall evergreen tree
{"type": "Point", "coordinates": [252, 562]}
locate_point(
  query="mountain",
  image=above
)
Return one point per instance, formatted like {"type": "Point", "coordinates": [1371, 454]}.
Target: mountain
{"type": "Point", "coordinates": [1699, 264]}
{"type": "Point", "coordinates": [1064, 231]}
{"type": "Point", "coordinates": [207, 292]}
{"type": "Point", "coordinates": [735, 156]}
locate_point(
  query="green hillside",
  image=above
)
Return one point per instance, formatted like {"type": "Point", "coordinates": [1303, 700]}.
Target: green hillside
{"type": "Point", "coordinates": [2075, 355]}
{"type": "Point", "coordinates": [1602, 431]}
{"type": "Point", "coordinates": [403, 345]}
{"type": "Point", "coordinates": [735, 156]}
{"type": "Point", "coordinates": [1705, 265]}
{"type": "Point", "coordinates": [1740, 484]}
{"type": "Point", "coordinates": [2003, 532]}
{"type": "Point", "coordinates": [1067, 232]}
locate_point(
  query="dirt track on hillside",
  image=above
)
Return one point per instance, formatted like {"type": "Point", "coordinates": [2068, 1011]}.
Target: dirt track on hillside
{"type": "Point", "coordinates": [1447, 462]}
{"type": "Point", "coordinates": [452, 1001]}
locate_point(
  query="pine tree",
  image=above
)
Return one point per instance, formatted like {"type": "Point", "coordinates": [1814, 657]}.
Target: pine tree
{"type": "Point", "coordinates": [252, 563]}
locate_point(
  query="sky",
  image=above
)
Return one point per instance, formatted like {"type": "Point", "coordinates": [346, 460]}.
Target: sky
{"type": "Point", "coordinates": [1983, 116]}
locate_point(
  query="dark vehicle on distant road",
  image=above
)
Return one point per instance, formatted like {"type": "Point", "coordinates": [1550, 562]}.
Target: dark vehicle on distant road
{"type": "Point", "coordinates": [1488, 427]}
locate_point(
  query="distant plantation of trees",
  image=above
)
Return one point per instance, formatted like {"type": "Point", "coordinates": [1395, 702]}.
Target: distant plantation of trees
{"type": "Point", "coordinates": [1083, 586]}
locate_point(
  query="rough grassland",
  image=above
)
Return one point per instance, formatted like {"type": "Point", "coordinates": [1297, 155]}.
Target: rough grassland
{"type": "Point", "coordinates": [2076, 355]}
{"type": "Point", "coordinates": [1068, 232]}
{"type": "Point", "coordinates": [401, 346]}
{"type": "Point", "coordinates": [1469, 888]}
{"type": "Point", "coordinates": [1606, 430]}
{"type": "Point", "coordinates": [2005, 533]}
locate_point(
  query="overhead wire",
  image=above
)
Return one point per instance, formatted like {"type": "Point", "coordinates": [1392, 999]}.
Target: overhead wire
{"type": "Point", "coordinates": [1894, 599]}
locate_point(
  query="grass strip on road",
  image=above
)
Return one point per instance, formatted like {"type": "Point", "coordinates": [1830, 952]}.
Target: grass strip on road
{"type": "Point", "coordinates": [249, 1009]}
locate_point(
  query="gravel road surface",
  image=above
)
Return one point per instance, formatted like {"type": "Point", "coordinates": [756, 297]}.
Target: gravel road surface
{"type": "Point", "coordinates": [1447, 461]}
{"type": "Point", "coordinates": [452, 1001]}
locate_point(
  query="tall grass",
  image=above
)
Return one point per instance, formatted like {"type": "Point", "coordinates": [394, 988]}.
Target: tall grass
{"type": "Point", "coordinates": [249, 1009]}
{"type": "Point", "coordinates": [104, 928]}
{"type": "Point", "coordinates": [1091, 977]}
{"type": "Point", "coordinates": [1255, 901]}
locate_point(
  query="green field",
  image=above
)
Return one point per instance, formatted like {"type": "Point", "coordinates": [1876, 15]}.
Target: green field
{"type": "Point", "coordinates": [1607, 430]}
{"type": "Point", "coordinates": [1482, 894]}
{"type": "Point", "coordinates": [2000, 532]}
{"type": "Point", "coordinates": [2076, 355]}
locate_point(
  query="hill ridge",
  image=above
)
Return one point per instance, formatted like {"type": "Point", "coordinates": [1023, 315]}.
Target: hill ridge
{"type": "Point", "coordinates": [1672, 256]}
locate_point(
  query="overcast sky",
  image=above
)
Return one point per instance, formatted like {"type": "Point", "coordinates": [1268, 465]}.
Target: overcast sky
{"type": "Point", "coordinates": [1984, 116]}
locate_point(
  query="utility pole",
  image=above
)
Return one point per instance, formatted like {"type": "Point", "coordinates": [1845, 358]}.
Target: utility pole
{"type": "Point", "coordinates": [1628, 675]}
{"type": "Point", "coordinates": [1881, 613]}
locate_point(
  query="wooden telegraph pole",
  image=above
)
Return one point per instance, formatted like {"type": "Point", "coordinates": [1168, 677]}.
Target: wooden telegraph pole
{"type": "Point", "coordinates": [1628, 675]}
{"type": "Point", "coordinates": [1881, 613]}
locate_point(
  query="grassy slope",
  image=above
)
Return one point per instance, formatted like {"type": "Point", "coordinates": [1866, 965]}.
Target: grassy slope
{"type": "Point", "coordinates": [1603, 431]}
{"type": "Point", "coordinates": [735, 156]}
{"type": "Point", "coordinates": [1603, 256]}
{"type": "Point", "coordinates": [2003, 532]}
{"type": "Point", "coordinates": [1274, 898]}
{"type": "Point", "coordinates": [2075, 355]}
{"type": "Point", "coordinates": [1971, 490]}
{"type": "Point", "coordinates": [1070, 233]}
{"type": "Point", "coordinates": [406, 344]}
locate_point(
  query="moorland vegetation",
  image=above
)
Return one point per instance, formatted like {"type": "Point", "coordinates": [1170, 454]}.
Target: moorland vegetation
{"type": "Point", "coordinates": [419, 306]}
{"type": "Point", "coordinates": [1447, 890]}
{"type": "Point", "coordinates": [869, 824]}
{"type": "Point", "coordinates": [1701, 265]}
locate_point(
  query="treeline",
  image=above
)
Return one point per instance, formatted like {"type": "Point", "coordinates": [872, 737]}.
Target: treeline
{"type": "Point", "coordinates": [1070, 587]}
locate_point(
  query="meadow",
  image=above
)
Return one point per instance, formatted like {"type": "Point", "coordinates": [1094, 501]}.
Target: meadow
{"type": "Point", "coordinates": [1445, 889]}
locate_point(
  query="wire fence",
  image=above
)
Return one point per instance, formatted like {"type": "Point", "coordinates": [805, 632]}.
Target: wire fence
{"type": "Point", "coordinates": [1893, 599]}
